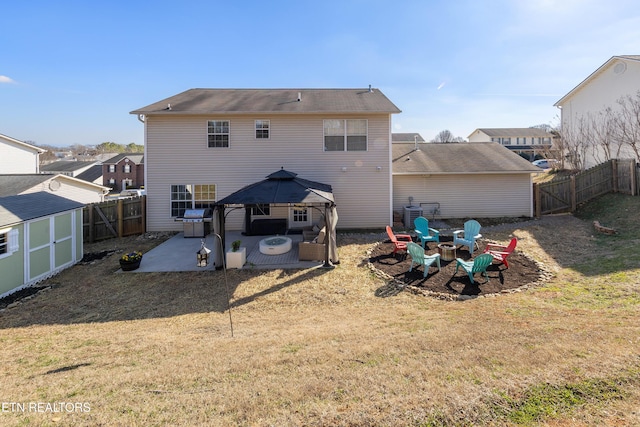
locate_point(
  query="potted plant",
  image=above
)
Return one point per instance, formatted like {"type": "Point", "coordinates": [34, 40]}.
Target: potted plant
{"type": "Point", "coordinates": [130, 261]}
{"type": "Point", "coordinates": [235, 245]}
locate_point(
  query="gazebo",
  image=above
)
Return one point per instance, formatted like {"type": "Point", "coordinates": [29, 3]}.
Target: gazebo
{"type": "Point", "coordinates": [283, 188]}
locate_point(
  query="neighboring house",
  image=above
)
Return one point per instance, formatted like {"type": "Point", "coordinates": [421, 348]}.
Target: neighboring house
{"type": "Point", "coordinates": [462, 180]}
{"type": "Point", "coordinates": [585, 106]}
{"type": "Point", "coordinates": [528, 141]}
{"type": "Point", "coordinates": [71, 168]}
{"type": "Point", "coordinates": [93, 175]}
{"type": "Point", "coordinates": [64, 186]}
{"type": "Point", "coordinates": [40, 235]}
{"type": "Point", "coordinates": [204, 144]}
{"type": "Point", "coordinates": [18, 156]}
{"type": "Point", "coordinates": [123, 171]}
{"type": "Point", "coordinates": [415, 138]}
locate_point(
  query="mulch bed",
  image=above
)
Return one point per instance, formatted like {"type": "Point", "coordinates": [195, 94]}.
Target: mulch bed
{"type": "Point", "coordinates": [445, 283]}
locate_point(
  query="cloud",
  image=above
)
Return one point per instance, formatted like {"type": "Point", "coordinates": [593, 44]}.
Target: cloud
{"type": "Point", "coordinates": [5, 79]}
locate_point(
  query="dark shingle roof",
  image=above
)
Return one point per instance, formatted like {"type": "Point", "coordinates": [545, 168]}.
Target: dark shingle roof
{"type": "Point", "coordinates": [11, 185]}
{"type": "Point", "coordinates": [273, 101]}
{"type": "Point", "coordinates": [16, 209]}
{"type": "Point", "coordinates": [65, 166]}
{"type": "Point", "coordinates": [91, 174]}
{"type": "Point", "coordinates": [458, 158]}
{"type": "Point", "coordinates": [135, 158]}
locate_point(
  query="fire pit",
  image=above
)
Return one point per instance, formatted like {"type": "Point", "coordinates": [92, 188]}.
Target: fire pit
{"type": "Point", "coordinates": [447, 252]}
{"type": "Point", "coordinates": [275, 245]}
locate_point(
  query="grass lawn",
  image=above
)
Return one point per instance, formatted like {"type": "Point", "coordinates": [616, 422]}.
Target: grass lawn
{"type": "Point", "coordinates": [337, 347]}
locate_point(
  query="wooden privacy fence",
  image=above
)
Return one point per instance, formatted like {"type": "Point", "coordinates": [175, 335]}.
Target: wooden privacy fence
{"type": "Point", "coordinates": [114, 218]}
{"type": "Point", "coordinates": [620, 176]}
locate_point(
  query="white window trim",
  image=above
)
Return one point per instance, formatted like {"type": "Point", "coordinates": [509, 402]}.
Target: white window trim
{"type": "Point", "coordinates": [255, 128]}
{"type": "Point", "coordinates": [228, 133]}
{"type": "Point", "coordinates": [346, 135]}
{"type": "Point", "coordinates": [13, 241]}
{"type": "Point", "coordinates": [192, 201]}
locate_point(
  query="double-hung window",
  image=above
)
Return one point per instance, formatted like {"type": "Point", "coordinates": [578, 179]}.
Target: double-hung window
{"type": "Point", "coordinates": [112, 168]}
{"type": "Point", "coordinates": [191, 196]}
{"type": "Point", "coordinates": [262, 129]}
{"type": "Point", "coordinates": [345, 135]}
{"type": "Point", "coordinates": [126, 168]}
{"type": "Point", "coordinates": [8, 242]}
{"type": "Point", "coordinates": [217, 133]}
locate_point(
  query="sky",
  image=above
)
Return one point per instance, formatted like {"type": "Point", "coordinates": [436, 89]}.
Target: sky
{"type": "Point", "coordinates": [71, 71]}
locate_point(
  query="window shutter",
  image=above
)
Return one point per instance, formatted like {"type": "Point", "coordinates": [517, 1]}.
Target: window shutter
{"type": "Point", "coordinates": [14, 243]}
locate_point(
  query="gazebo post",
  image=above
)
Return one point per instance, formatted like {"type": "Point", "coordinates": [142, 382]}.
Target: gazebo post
{"type": "Point", "coordinates": [327, 264]}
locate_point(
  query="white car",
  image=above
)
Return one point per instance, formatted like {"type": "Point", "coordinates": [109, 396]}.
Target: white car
{"type": "Point", "coordinates": [545, 163]}
{"type": "Point", "coordinates": [132, 192]}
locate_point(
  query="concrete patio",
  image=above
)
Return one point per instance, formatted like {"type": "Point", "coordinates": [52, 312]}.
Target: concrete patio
{"type": "Point", "coordinates": [179, 254]}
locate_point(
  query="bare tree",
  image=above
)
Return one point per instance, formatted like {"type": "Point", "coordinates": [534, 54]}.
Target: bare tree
{"type": "Point", "coordinates": [602, 132]}
{"type": "Point", "coordinates": [628, 123]}
{"type": "Point", "coordinates": [575, 142]}
{"type": "Point", "coordinates": [446, 137]}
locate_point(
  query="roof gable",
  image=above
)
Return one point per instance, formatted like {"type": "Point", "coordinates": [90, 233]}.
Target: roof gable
{"type": "Point", "coordinates": [12, 141]}
{"type": "Point", "coordinates": [134, 158]}
{"type": "Point", "coordinates": [11, 185]}
{"type": "Point", "coordinates": [613, 60]}
{"type": "Point", "coordinates": [272, 101]}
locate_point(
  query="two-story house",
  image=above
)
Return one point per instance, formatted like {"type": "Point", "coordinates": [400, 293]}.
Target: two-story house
{"type": "Point", "coordinates": [204, 144]}
{"type": "Point", "coordinates": [590, 113]}
{"type": "Point", "coordinates": [18, 156]}
{"type": "Point", "coordinates": [123, 171]}
{"type": "Point", "coordinates": [525, 141]}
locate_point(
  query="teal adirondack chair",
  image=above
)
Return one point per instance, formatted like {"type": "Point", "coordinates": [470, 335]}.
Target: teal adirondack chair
{"type": "Point", "coordinates": [418, 257]}
{"type": "Point", "coordinates": [425, 234]}
{"type": "Point", "coordinates": [477, 265]}
{"type": "Point", "coordinates": [468, 236]}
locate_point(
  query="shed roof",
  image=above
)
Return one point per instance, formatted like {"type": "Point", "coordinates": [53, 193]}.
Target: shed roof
{"type": "Point", "coordinates": [272, 101]}
{"type": "Point", "coordinates": [281, 187]}
{"type": "Point", "coordinates": [25, 207]}
{"type": "Point", "coordinates": [458, 158]}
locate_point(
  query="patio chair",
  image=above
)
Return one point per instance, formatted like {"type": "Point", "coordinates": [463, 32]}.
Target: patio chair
{"type": "Point", "coordinates": [425, 234]}
{"type": "Point", "coordinates": [501, 252]}
{"type": "Point", "coordinates": [468, 236]}
{"type": "Point", "coordinates": [399, 240]}
{"type": "Point", "coordinates": [477, 265]}
{"type": "Point", "coordinates": [418, 257]}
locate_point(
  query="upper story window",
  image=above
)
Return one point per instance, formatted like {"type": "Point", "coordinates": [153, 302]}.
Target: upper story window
{"type": "Point", "coordinates": [345, 135]}
{"type": "Point", "coordinates": [262, 129]}
{"type": "Point", "coordinates": [217, 133]}
{"type": "Point", "coordinates": [112, 168]}
{"type": "Point", "coordinates": [126, 168]}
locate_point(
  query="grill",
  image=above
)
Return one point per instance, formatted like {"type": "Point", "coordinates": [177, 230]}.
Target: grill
{"type": "Point", "coordinates": [196, 222]}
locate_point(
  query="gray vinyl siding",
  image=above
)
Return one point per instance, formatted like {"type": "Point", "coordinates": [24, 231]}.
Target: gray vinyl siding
{"type": "Point", "coordinates": [467, 196]}
{"type": "Point", "coordinates": [176, 152]}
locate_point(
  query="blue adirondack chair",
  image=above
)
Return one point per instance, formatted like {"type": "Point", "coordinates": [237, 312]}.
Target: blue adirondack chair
{"type": "Point", "coordinates": [425, 234]}
{"type": "Point", "coordinates": [477, 265]}
{"type": "Point", "coordinates": [418, 257]}
{"type": "Point", "coordinates": [468, 236]}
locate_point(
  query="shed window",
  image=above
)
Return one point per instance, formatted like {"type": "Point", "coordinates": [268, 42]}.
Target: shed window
{"type": "Point", "coordinates": [345, 135]}
{"type": "Point", "coordinates": [9, 242]}
{"type": "Point", "coordinates": [218, 133]}
{"type": "Point", "coordinates": [262, 129]}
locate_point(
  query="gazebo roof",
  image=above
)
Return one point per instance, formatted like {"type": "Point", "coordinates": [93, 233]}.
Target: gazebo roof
{"type": "Point", "coordinates": [281, 187]}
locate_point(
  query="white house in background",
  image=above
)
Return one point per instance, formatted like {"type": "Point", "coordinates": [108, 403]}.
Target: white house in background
{"type": "Point", "coordinates": [618, 77]}
{"type": "Point", "coordinates": [204, 144]}
{"type": "Point", "coordinates": [529, 141]}
{"type": "Point", "coordinates": [67, 167]}
{"type": "Point", "coordinates": [461, 180]}
{"type": "Point", "coordinates": [61, 185]}
{"type": "Point", "coordinates": [18, 157]}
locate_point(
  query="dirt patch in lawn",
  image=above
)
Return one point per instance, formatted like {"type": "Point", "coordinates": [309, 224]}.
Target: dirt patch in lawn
{"type": "Point", "coordinates": [446, 283]}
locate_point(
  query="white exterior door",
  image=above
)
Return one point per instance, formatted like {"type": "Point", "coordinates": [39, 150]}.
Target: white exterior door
{"type": "Point", "coordinates": [299, 216]}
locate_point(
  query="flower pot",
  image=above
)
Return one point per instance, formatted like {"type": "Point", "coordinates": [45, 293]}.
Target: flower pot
{"type": "Point", "coordinates": [236, 259]}
{"type": "Point", "coordinates": [129, 265]}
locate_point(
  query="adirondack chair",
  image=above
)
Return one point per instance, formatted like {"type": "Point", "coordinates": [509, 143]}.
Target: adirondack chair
{"type": "Point", "coordinates": [468, 236]}
{"type": "Point", "coordinates": [399, 240]}
{"type": "Point", "coordinates": [425, 234]}
{"type": "Point", "coordinates": [418, 257]}
{"type": "Point", "coordinates": [501, 252]}
{"type": "Point", "coordinates": [477, 265]}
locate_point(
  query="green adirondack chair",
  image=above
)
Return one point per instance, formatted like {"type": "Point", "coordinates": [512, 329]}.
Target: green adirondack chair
{"type": "Point", "coordinates": [418, 257]}
{"type": "Point", "coordinates": [477, 265]}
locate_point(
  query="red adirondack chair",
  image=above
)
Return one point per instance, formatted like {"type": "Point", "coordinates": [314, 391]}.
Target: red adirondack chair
{"type": "Point", "coordinates": [501, 252]}
{"type": "Point", "coordinates": [399, 240]}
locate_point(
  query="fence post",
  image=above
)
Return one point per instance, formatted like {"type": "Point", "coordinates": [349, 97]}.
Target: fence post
{"type": "Point", "coordinates": [632, 174]}
{"type": "Point", "coordinates": [120, 216]}
{"type": "Point", "coordinates": [536, 200]}
{"type": "Point", "coordinates": [143, 212]}
{"type": "Point", "coordinates": [614, 172]}
{"type": "Point", "coordinates": [573, 193]}
{"type": "Point", "coordinates": [92, 220]}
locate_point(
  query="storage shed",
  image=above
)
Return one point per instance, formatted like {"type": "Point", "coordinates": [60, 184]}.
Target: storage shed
{"type": "Point", "coordinates": [40, 235]}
